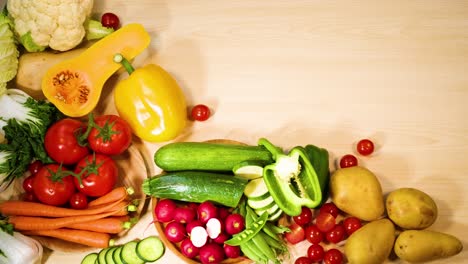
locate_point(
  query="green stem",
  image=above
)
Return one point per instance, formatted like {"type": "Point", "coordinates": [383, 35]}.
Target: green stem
{"type": "Point", "coordinates": [119, 58]}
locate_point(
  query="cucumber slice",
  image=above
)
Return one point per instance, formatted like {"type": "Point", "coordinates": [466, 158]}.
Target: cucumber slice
{"type": "Point", "coordinates": [276, 215]}
{"type": "Point", "coordinates": [102, 256]}
{"type": "Point", "coordinates": [256, 189]}
{"type": "Point", "coordinates": [150, 249]}
{"type": "Point", "coordinates": [91, 258]}
{"type": "Point", "coordinates": [129, 254]}
{"type": "Point", "coordinates": [116, 256]}
{"type": "Point", "coordinates": [249, 169]}
{"type": "Point", "coordinates": [273, 209]}
{"type": "Point", "coordinates": [261, 204]}
{"type": "Point", "coordinates": [109, 255]}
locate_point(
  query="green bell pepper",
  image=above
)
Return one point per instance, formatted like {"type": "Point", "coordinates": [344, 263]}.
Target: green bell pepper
{"type": "Point", "coordinates": [292, 180]}
{"type": "Point", "coordinates": [319, 159]}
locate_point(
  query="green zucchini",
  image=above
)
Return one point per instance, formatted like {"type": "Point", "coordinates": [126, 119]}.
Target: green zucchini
{"type": "Point", "coordinates": [206, 156]}
{"type": "Point", "coordinates": [196, 186]}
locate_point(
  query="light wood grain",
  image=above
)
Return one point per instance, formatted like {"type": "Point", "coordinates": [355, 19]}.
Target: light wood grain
{"type": "Point", "coordinates": [328, 73]}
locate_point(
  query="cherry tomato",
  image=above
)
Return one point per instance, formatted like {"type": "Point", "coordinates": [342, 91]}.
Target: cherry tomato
{"type": "Point", "coordinates": [365, 147]}
{"type": "Point", "coordinates": [99, 174]}
{"type": "Point", "coordinates": [313, 234]}
{"type": "Point", "coordinates": [200, 112]}
{"type": "Point", "coordinates": [325, 222]}
{"type": "Point", "coordinates": [351, 224]}
{"type": "Point", "coordinates": [29, 197]}
{"type": "Point", "coordinates": [35, 166]}
{"type": "Point", "coordinates": [28, 184]}
{"type": "Point", "coordinates": [315, 253]}
{"type": "Point", "coordinates": [348, 160]}
{"type": "Point", "coordinates": [304, 218]}
{"type": "Point", "coordinates": [110, 135]}
{"type": "Point", "coordinates": [53, 185]}
{"type": "Point", "coordinates": [61, 142]}
{"type": "Point", "coordinates": [296, 235]}
{"type": "Point", "coordinates": [79, 201]}
{"type": "Point", "coordinates": [331, 208]}
{"type": "Point", "coordinates": [333, 256]}
{"type": "Point", "coordinates": [303, 260]}
{"type": "Point", "coordinates": [110, 20]}
{"type": "Point", "coordinates": [337, 234]}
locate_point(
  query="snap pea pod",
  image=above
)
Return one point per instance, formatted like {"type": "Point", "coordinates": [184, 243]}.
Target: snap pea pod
{"type": "Point", "coordinates": [250, 231]}
{"type": "Point", "coordinates": [269, 228]}
{"type": "Point", "coordinates": [272, 242]}
{"type": "Point", "coordinates": [250, 253]}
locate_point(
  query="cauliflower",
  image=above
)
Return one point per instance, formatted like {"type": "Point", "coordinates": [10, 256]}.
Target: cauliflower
{"type": "Point", "coordinates": [58, 24]}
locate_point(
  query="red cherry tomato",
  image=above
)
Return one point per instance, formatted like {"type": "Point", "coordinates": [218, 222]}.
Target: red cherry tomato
{"type": "Point", "coordinates": [61, 142]}
{"type": "Point", "coordinates": [53, 185]}
{"type": "Point", "coordinates": [348, 160]}
{"type": "Point", "coordinates": [303, 260]}
{"type": "Point", "coordinates": [331, 208]}
{"type": "Point", "coordinates": [336, 235]}
{"type": "Point", "coordinates": [79, 201]}
{"type": "Point", "coordinates": [110, 20]}
{"type": "Point", "coordinates": [333, 256]}
{"type": "Point", "coordinates": [313, 234]}
{"type": "Point", "coordinates": [28, 184]}
{"type": "Point", "coordinates": [325, 222]}
{"type": "Point", "coordinates": [35, 166]}
{"type": "Point", "coordinates": [304, 218]}
{"type": "Point", "coordinates": [200, 112]}
{"type": "Point", "coordinates": [110, 135]}
{"type": "Point", "coordinates": [365, 147]}
{"type": "Point", "coordinates": [29, 197]}
{"type": "Point", "coordinates": [296, 235]}
{"type": "Point", "coordinates": [99, 175]}
{"type": "Point", "coordinates": [315, 253]}
{"type": "Point", "coordinates": [351, 224]}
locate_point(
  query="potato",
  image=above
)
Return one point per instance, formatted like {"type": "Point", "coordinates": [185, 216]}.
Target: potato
{"type": "Point", "coordinates": [411, 208]}
{"type": "Point", "coordinates": [426, 245]}
{"type": "Point", "coordinates": [33, 66]}
{"type": "Point", "coordinates": [372, 243]}
{"type": "Point", "coordinates": [357, 191]}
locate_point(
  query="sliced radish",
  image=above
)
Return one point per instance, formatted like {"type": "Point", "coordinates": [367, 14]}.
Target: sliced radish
{"type": "Point", "coordinates": [213, 228]}
{"type": "Point", "coordinates": [198, 236]}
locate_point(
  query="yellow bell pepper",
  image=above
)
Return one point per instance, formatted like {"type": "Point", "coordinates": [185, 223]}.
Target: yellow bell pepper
{"type": "Point", "coordinates": [151, 101]}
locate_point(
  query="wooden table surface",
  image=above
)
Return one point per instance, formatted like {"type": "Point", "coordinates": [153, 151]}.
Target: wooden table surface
{"type": "Point", "coordinates": [327, 73]}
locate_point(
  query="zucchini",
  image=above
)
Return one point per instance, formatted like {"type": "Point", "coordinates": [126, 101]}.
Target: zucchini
{"type": "Point", "coordinates": [150, 249]}
{"type": "Point", "coordinates": [129, 254]}
{"type": "Point", "coordinates": [91, 258]}
{"type": "Point", "coordinates": [207, 156]}
{"type": "Point", "coordinates": [196, 186]}
{"type": "Point", "coordinates": [249, 169]}
{"type": "Point", "coordinates": [109, 255]}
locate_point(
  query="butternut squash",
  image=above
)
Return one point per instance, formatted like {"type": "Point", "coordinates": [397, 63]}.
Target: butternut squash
{"type": "Point", "coordinates": [74, 86]}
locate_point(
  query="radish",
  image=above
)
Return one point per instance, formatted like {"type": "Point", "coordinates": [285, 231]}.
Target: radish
{"type": "Point", "coordinates": [184, 215]}
{"type": "Point", "coordinates": [206, 211]}
{"type": "Point", "coordinates": [212, 253]}
{"type": "Point", "coordinates": [192, 224]}
{"type": "Point", "coordinates": [198, 236]}
{"type": "Point", "coordinates": [213, 228]}
{"type": "Point", "coordinates": [232, 251]}
{"type": "Point", "coordinates": [223, 237]}
{"type": "Point", "coordinates": [164, 210]}
{"type": "Point", "coordinates": [175, 232]}
{"type": "Point", "coordinates": [188, 249]}
{"type": "Point", "coordinates": [223, 212]}
{"type": "Point", "coordinates": [234, 224]}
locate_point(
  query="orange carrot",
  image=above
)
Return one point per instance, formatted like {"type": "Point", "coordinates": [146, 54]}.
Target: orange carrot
{"type": "Point", "coordinates": [88, 238]}
{"type": "Point", "coordinates": [38, 223]}
{"type": "Point", "coordinates": [118, 193]}
{"type": "Point", "coordinates": [24, 208]}
{"type": "Point", "coordinates": [110, 225]}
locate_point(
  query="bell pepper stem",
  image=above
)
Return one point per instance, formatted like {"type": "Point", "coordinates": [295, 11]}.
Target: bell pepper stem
{"type": "Point", "coordinates": [119, 58]}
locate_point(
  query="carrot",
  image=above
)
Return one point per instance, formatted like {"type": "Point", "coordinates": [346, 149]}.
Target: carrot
{"type": "Point", "coordinates": [118, 193]}
{"type": "Point", "coordinates": [110, 225]}
{"type": "Point", "coordinates": [88, 238]}
{"type": "Point", "coordinates": [23, 208]}
{"type": "Point", "coordinates": [38, 223]}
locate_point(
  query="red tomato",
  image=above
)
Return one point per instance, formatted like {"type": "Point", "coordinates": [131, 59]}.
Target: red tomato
{"type": "Point", "coordinates": [99, 174]}
{"type": "Point", "coordinates": [28, 184]}
{"type": "Point", "coordinates": [53, 185]}
{"type": "Point", "coordinates": [337, 234]}
{"type": "Point", "coordinates": [110, 20]}
{"type": "Point", "coordinates": [315, 253]}
{"type": "Point", "coordinates": [351, 224]}
{"type": "Point", "coordinates": [333, 256]}
{"type": "Point", "coordinates": [35, 166]}
{"type": "Point", "coordinates": [331, 208]}
{"type": "Point", "coordinates": [313, 234]}
{"type": "Point", "coordinates": [325, 222]}
{"type": "Point", "coordinates": [200, 112]}
{"type": "Point", "coordinates": [110, 135]}
{"type": "Point", "coordinates": [78, 201]}
{"type": "Point", "coordinates": [365, 147]}
{"type": "Point", "coordinates": [296, 234]}
{"type": "Point", "coordinates": [348, 160]}
{"type": "Point", "coordinates": [303, 260]}
{"type": "Point", "coordinates": [304, 218]}
{"type": "Point", "coordinates": [61, 142]}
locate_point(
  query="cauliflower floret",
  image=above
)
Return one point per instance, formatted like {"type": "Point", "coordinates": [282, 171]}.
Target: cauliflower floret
{"type": "Point", "coordinates": [58, 24]}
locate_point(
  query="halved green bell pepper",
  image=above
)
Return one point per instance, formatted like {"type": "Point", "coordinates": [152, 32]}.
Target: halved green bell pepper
{"type": "Point", "coordinates": [292, 180]}
{"type": "Point", "coordinates": [319, 159]}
